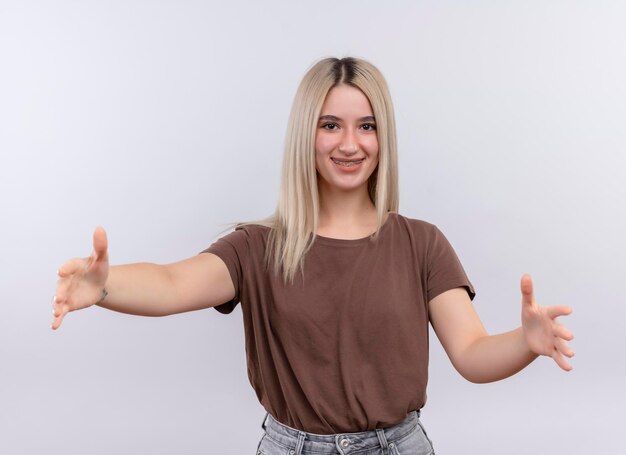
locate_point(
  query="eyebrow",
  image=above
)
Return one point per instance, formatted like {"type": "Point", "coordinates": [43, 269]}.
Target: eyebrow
{"type": "Point", "coordinates": [367, 118]}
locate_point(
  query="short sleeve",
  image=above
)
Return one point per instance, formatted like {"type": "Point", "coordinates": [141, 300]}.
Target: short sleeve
{"type": "Point", "coordinates": [445, 271]}
{"type": "Point", "coordinates": [232, 249]}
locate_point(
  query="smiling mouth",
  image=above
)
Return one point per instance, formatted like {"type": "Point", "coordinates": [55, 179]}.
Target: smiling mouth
{"type": "Point", "coordinates": [347, 163]}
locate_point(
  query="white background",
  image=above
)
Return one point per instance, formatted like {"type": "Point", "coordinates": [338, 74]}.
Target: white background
{"type": "Point", "coordinates": [164, 120]}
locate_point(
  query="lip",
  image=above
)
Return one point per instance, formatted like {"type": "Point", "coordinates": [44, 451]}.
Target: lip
{"type": "Point", "coordinates": [346, 160]}
{"type": "Point", "coordinates": [347, 169]}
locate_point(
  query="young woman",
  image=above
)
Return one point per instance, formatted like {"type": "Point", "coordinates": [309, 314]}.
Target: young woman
{"type": "Point", "coordinates": [336, 287]}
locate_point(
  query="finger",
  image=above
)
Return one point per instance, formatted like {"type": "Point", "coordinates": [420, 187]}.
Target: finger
{"type": "Point", "coordinates": [560, 361]}
{"type": "Point", "coordinates": [60, 309]}
{"type": "Point", "coordinates": [56, 323]}
{"type": "Point", "coordinates": [62, 290]}
{"type": "Point", "coordinates": [554, 311]}
{"type": "Point", "coordinates": [563, 348]}
{"type": "Point", "coordinates": [562, 332]}
{"type": "Point", "coordinates": [70, 267]}
{"type": "Point", "coordinates": [56, 307]}
{"type": "Point", "coordinates": [526, 287]}
{"type": "Point", "coordinates": [100, 243]}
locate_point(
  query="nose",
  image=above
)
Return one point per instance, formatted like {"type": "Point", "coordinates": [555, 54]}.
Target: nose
{"type": "Point", "coordinates": [348, 144]}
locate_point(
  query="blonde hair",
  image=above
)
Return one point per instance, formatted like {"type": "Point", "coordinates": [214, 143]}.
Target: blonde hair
{"type": "Point", "coordinates": [295, 220]}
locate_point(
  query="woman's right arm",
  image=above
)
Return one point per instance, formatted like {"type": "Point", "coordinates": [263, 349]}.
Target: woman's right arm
{"type": "Point", "coordinates": [202, 281]}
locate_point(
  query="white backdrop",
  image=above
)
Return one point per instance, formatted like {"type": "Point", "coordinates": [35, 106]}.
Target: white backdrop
{"type": "Point", "coordinates": [164, 120]}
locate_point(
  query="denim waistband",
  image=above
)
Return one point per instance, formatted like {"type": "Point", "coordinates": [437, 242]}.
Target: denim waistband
{"type": "Point", "coordinates": [346, 443]}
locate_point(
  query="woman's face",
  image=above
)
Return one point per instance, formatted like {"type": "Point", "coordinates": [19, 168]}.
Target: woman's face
{"type": "Point", "coordinates": [346, 143]}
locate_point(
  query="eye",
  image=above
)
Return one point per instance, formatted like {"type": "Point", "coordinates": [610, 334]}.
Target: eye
{"type": "Point", "coordinates": [329, 126]}
{"type": "Point", "coordinates": [369, 127]}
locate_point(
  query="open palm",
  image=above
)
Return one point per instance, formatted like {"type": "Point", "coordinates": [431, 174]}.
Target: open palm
{"type": "Point", "coordinates": [81, 280]}
{"type": "Point", "coordinates": [544, 334]}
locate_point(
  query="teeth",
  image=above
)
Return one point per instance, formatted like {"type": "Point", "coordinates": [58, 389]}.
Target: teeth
{"type": "Point", "coordinates": [348, 163]}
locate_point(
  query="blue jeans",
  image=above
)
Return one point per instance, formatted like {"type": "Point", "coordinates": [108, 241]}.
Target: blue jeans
{"type": "Point", "coordinates": [405, 438]}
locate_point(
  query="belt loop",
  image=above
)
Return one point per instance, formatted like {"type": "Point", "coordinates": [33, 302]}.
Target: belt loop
{"type": "Point", "coordinates": [382, 439]}
{"type": "Point", "coordinates": [300, 443]}
{"type": "Point", "coordinates": [263, 423]}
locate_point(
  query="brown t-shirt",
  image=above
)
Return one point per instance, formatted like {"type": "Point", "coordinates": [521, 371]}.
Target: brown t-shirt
{"type": "Point", "coordinates": [346, 348]}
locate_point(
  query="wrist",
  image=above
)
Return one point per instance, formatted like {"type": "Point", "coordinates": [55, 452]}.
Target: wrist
{"type": "Point", "coordinates": [103, 295]}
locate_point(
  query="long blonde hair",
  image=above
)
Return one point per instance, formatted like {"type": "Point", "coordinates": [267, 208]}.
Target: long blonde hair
{"type": "Point", "coordinates": [295, 220]}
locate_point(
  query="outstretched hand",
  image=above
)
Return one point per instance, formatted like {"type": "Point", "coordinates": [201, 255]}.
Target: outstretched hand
{"type": "Point", "coordinates": [544, 334]}
{"type": "Point", "coordinates": [81, 281]}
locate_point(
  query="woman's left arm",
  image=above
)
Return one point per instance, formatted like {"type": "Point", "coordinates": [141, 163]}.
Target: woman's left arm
{"type": "Point", "coordinates": [481, 358]}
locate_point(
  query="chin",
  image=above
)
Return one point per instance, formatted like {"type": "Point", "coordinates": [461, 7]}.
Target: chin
{"type": "Point", "coordinates": [345, 186]}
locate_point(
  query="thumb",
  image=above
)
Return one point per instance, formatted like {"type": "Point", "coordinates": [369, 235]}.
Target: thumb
{"type": "Point", "coordinates": [100, 243]}
{"type": "Point", "coordinates": [526, 286]}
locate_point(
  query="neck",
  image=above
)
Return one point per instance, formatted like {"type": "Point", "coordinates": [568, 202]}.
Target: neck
{"type": "Point", "coordinates": [346, 213]}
